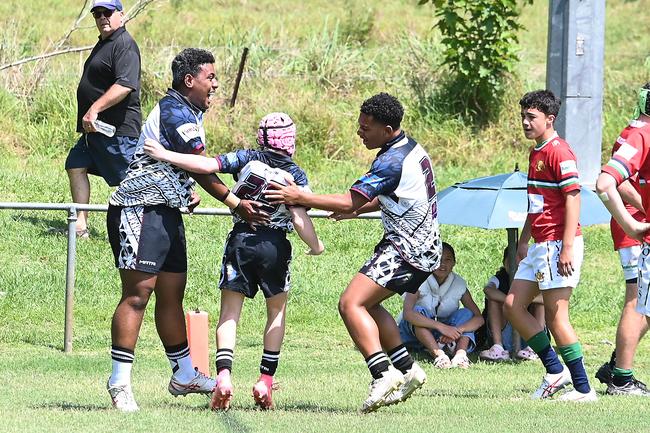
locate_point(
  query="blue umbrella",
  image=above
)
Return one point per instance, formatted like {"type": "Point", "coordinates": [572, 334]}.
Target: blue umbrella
{"type": "Point", "coordinates": [500, 202]}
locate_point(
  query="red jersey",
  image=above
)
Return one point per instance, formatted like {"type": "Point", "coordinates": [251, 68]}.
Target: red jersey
{"type": "Point", "coordinates": [631, 157]}
{"type": "Point", "coordinates": [620, 238]}
{"type": "Point", "coordinates": [552, 173]}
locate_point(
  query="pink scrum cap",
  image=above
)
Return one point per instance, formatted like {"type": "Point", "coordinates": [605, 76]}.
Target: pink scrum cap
{"type": "Point", "coordinates": [277, 131]}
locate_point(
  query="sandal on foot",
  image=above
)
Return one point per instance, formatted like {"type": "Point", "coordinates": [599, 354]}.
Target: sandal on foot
{"type": "Point", "coordinates": [460, 361]}
{"type": "Point", "coordinates": [442, 361]}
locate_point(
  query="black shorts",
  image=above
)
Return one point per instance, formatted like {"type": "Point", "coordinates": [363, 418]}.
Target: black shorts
{"type": "Point", "coordinates": [254, 260]}
{"type": "Point", "coordinates": [388, 269]}
{"type": "Point", "coordinates": [147, 238]}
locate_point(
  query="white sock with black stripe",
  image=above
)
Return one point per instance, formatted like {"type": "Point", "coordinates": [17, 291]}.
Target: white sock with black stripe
{"type": "Point", "coordinates": [122, 360]}
{"type": "Point", "coordinates": [181, 362]}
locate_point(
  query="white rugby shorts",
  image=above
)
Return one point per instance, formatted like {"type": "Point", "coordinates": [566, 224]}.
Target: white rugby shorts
{"type": "Point", "coordinates": [643, 301]}
{"type": "Point", "coordinates": [629, 261]}
{"type": "Point", "coordinates": [541, 265]}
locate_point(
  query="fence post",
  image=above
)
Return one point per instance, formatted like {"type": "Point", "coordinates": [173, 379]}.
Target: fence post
{"type": "Point", "coordinates": [69, 279]}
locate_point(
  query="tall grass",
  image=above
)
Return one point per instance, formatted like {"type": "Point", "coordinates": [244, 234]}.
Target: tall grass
{"type": "Point", "coordinates": [313, 60]}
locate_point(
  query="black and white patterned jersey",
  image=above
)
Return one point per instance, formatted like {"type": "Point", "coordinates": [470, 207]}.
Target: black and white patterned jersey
{"type": "Point", "coordinates": [402, 178]}
{"type": "Point", "coordinates": [178, 126]}
{"type": "Point", "coordinates": [254, 170]}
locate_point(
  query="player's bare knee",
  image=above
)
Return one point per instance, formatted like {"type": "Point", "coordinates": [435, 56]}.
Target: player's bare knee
{"type": "Point", "coordinates": [345, 306]}
{"type": "Point", "coordinates": [137, 303]}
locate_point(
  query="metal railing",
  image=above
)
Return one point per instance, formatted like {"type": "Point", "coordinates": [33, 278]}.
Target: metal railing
{"type": "Point", "coordinates": [72, 209]}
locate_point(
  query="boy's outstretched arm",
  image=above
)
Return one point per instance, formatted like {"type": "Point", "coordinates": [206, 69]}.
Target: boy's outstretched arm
{"type": "Point", "coordinates": [291, 195]}
{"type": "Point", "coordinates": [608, 193]}
{"type": "Point", "coordinates": [200, 164]}
{"type": "Point", "coordinates": [370, 206]}
{"type": "Point", "coordinates": [202, 170]}
{"type": "Point", "coordinates": [305, 229]}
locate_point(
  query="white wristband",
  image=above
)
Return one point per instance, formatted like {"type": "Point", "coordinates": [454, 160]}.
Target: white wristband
{"type": "Point", "coordinates": [231, 200]}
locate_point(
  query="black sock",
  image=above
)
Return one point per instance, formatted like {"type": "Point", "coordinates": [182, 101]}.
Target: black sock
{"type": "Point", "coordinates": [401, 359]}
{"type": "Point", "coordinates": [612, 360]}
{"type": "Point", "coordinates": [621, 376]}
{"type": "Point", "coordinates": [224, 359]}
{"type": "Point", "coordinates": [269, 362]}
{"type": "Point", "coordinates": [377, 363]}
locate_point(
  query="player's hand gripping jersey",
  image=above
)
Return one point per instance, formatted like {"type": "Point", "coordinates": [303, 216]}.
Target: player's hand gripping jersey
{"type": "Point", "coordinates": [178, 126]}
{"type": "Point", "coordinates": [402, 178]}
{"type": "Point", "coordinates": [631, 158]}
{"type": "Point", "coordinates": [552, 173]}
{"type": "Point", "coordinates": [254, 170]}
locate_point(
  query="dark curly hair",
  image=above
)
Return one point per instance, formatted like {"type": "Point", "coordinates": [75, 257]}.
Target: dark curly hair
{"type": "Point", "coordinates": [384, 108]}
{"type": "Point", "coordinates": [448, 247]}
{"type": "Point", "coordinates": [542, 100]}
{"type": "Point", "coordinates": [188, 61]}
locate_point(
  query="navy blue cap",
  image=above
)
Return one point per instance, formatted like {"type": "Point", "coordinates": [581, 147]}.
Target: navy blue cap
{"type": "Point", "coordinates": [107, 4]}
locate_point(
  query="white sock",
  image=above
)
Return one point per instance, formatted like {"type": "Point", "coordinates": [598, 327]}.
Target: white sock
{"type": "Point", "coordinates": [122, 361]}
{"type": "Point", "coordinates": [181, 363]}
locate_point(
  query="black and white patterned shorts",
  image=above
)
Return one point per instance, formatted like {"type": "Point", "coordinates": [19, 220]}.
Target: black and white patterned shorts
{"type": "Point", "coordinates": [147, 238]}
{"type": "Point", "coordinates": [388, 269]}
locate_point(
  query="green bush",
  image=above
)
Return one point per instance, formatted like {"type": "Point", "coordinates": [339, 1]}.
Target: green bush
{"type": "Point", "coordinates": [480, 39]}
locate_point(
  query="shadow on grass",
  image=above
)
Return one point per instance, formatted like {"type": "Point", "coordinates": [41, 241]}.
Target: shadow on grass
{"type": "Point", "coordinates": [49, 226]}
{"type": "Point", "coordinates": [448, 393]}
{"type": "Point", "coordinates": [65, 406]}
{"type": "Point", "coordinates": [34, 341]}
{"type": "Point", "coordinates": [308, 407]}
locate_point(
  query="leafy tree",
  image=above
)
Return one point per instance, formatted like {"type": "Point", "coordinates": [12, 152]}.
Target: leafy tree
{"type": "Point", "coordinates": [480, 39]}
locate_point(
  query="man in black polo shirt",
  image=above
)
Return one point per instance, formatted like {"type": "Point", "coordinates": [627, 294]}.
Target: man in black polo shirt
{"type": "Point", "coordinates": [108, 92]}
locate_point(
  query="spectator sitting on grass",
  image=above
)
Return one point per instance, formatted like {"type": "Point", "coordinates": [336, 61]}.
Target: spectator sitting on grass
{"type": "Point", "coordinates": [499, 330]}
{"type": "Point", "coordinates": [431, 318]}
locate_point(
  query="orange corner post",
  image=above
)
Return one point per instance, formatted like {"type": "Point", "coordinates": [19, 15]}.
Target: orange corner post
{"type": "Point", "coordinates": [197, 337]}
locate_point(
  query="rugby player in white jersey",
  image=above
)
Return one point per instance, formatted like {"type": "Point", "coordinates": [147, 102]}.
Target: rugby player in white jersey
{"type": "Point", "coordinates": [254, 258]}
{"type": "Point", "coordinates": [401, 184]}
{"type": "Point", "coordinates": [147, 235]}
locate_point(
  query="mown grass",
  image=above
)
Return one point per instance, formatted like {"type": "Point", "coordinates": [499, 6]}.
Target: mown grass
{"type": "Point", "coordinates": [316, 60]}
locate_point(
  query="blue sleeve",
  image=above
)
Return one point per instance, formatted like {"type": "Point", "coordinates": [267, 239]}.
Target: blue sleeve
{"type": "Point", "coordinates": [382, 179]}
{"type": "Point", "coordinates": [299, 176]}
{"type": "Point", "coordinates": [233, 162]}
{"type": "Point", "coordinates": [180, 128]}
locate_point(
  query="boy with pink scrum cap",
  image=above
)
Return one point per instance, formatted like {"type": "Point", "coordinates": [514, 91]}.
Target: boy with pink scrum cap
{"type": "Point", "coordinates": [254, 257]}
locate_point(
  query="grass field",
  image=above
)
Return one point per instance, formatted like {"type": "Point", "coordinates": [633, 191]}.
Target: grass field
{"type": "Point", "coordinates": [318, 62]}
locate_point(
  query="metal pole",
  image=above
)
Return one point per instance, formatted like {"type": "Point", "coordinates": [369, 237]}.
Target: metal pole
{"type": "Point", "coordinates": [69, 279]}
{"type": "Point", "coordinates": [513, 238]}
{"type": "Point", "coordinates": [239, 75]}
{"type": "Point", "coordinates": [574, 72]}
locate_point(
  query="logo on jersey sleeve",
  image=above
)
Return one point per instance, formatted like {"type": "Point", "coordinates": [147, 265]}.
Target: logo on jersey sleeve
{"type": "Point", "coordinates": [189, 131]}
{"type": "Point", "coordinates": [535, 203]}
{"type": "Point", "coordinates": [568, 166]}
{"type": "Point", "coordinates": [626, 151]}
